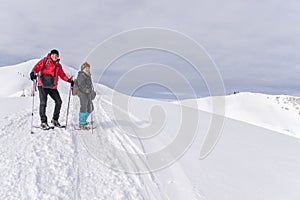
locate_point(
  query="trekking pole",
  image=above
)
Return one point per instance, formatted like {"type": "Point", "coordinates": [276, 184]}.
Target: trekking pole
{"type": "Point", "coordinates": [32, 94]}
{"type": "Point", "coordinates": [70, 91]}
{"type": "Point", "coordinates": [92, 116]}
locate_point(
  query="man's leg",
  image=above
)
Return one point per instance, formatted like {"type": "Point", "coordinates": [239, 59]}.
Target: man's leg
{"type": "Point", "coordinates": [43, 103]}
{"type": "Point", "coordinates": [54, 94]}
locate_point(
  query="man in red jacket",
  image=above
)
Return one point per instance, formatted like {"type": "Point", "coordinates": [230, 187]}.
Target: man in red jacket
{"type": "Point", "coordinates": [49, 70]}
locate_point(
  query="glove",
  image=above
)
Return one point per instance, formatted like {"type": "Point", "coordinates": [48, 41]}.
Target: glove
{"type": "Point", "coordinates": [70, 80]}
{"type": "Point", "coordinates": [93, 95]}
{"type": "Point", "coordinates": [32, 76]}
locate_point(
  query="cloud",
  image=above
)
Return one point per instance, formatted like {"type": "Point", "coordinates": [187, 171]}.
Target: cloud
{"type": "Point", "coordinates": [248, 40]}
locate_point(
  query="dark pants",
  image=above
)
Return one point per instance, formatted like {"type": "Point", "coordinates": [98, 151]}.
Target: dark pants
{"type": "Point", "coordinates": [54, 94]}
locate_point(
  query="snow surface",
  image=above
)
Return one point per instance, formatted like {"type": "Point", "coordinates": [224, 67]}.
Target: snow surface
{"type": "Point", "coordinates": [279, 113]}
{"type": "Point", "coordinates": [256, 157]}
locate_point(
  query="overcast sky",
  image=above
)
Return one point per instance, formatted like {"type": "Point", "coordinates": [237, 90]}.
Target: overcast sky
{"type": "Point", "coordinates": [255, 44]}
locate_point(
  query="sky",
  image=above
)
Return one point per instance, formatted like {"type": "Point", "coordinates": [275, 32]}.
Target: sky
{"type": "Point", "coordinates": [254, 44]}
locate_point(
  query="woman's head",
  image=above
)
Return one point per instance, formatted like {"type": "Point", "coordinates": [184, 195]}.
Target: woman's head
{"type": "Point", "coordinates": [85, 66]}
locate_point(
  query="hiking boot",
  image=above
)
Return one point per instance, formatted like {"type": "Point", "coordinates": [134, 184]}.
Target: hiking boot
{"type": "Point", "coordinates": [55, 123]}
{"type": "Point", "coordinates": [45, 126]}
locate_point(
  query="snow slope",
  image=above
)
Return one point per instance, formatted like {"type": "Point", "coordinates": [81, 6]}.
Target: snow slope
{"type": "Point", "coordinates": [279, 113]}
{"type": "Point", "coordinates": [248, 162]}
{"type": "Point", "coordinates": [56, 164]}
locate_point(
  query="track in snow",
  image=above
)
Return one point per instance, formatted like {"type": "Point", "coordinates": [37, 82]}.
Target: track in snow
{"type": "Point", "coordinates": [56, 164]}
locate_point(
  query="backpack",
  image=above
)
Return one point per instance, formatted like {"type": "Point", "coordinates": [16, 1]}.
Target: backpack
{"type": "Point", "coordinates": [75, 88]}
{"type": "Point", "coordinates": [46, 63]}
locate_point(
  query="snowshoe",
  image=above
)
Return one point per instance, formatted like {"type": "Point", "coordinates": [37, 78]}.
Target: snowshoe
{"type": "Point", "coordinates": [85, 127]}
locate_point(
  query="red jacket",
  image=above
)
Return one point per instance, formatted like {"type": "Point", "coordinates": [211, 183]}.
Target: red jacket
{"type": "Point", "coordinates": [49, 70]}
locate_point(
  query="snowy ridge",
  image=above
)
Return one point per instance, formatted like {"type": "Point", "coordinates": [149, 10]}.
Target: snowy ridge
{"type": "Point", "coordinates": [261, 110]}
{"type": "Point", "coordinates": [258, 109]}
{"type": "Point", "coordinates": [248, 162]}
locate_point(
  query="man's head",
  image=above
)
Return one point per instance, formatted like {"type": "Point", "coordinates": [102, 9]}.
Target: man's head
{"type": "Point", "coordinates": [54, 54]}
{"type": "Point", "coordinates": [54, 51]}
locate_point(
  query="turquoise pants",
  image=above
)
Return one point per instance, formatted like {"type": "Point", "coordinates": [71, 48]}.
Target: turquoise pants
{"type": "Point", "coordinates": [83, 117]}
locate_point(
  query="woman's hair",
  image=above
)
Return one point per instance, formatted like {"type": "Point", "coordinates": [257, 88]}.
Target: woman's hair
{"type": "Point", "coordinates": [84, 65]}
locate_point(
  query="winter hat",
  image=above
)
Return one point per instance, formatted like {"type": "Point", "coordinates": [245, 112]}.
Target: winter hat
{"type": "Point", "coordinates": [84, 65]}
{"type": "Point", "coordinates": [54, 51]}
